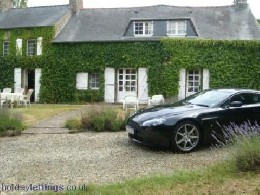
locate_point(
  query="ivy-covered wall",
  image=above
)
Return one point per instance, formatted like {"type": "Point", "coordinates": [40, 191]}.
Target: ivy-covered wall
{"type": "Point", "coordinates": [231, 63]}
{"type": "Point", "coordinates": [8, 63]}
{"type": "Point", "coordinates": [59, 76]}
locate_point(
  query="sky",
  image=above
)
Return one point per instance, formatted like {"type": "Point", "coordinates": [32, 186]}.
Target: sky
{"type": "Point", "coordinates": [254, 4]}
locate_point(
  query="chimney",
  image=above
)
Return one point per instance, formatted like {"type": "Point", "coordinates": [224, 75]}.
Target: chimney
{"type": "Point", "coordinates": [5, 5]}
{"type": "Point", "coordinates": [240, 3]}
{"type": "Point", "coordinates": [76, 6]}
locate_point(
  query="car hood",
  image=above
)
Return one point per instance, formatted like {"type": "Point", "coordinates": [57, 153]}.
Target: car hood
{"type": "Point", "coordinates": [166, 111]}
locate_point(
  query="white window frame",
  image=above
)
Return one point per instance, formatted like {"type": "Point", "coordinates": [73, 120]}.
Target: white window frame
{"type": "Point", "coordinates": [6, 45]}
{"type": "Point", "coordinates": [193, 80]}
{"type": "Point", "coordinates": [31, 46]}
{"type": "Point", "coordinates": [94, 81]}
{"type": "Point", "coordinates": [147, 28]}
{"type": "Point", "coordinates": [174, 28]}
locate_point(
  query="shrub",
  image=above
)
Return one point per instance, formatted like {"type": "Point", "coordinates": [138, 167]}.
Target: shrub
{"type": "Point", "coordinates": [104, 118]}
{"type": "Point", "coordinates": [247, 154]}
{"type": "Point", "coordinates": [73, 124]}
{"type": "Point", "coordinates": [10, 123]}
{"type": "Point", "coordinates": [246, 140]}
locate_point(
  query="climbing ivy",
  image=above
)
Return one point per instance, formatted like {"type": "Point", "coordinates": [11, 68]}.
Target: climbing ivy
{"type": "Point", "coordinates": [8, 63]}
{"type": "Point", "coordinates": [66, 60]}
{"type": "Point", "coordinates": [231, 63]}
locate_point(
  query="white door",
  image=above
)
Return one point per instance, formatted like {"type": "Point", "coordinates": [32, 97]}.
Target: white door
{"type": "Point", "coordinates": [110, 85]}
{"type": "Point", "coordinates": [193, 82]}
{"type": "Point", "coordinates": [127, 82]}
{"type": "Point", "coordinates": [17, 78]}
{"type": "Point", "coordinates": [38, 73]}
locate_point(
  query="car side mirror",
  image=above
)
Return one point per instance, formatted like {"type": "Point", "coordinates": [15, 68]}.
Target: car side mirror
{"type": "Point", "coordinates": [236, 104]}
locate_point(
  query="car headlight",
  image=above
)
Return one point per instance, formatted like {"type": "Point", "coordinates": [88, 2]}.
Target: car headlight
{"type": "Point", "coordinates": [154, 122]}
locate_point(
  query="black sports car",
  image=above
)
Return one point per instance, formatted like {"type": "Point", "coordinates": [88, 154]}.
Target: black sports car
{"type": "Point", "coordinates": [189, 123]}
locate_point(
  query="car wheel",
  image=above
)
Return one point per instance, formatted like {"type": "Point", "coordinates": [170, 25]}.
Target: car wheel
{"type": "Point", "coordinates": [186, 137]}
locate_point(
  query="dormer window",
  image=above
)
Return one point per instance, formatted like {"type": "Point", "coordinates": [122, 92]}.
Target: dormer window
{"type": "Point", "coordinates": [177, 28]}
{"type": "Point", "coordinates": [143, 28]}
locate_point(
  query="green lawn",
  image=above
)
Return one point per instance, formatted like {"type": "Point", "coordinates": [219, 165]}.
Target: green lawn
{"type": "Point", "coordinates": [41, 111]}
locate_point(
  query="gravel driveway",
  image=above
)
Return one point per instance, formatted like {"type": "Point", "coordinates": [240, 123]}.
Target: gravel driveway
{"type": "Point", "coordinates": [89, 158]}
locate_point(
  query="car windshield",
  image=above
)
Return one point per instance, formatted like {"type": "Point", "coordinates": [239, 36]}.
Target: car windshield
{"type": "Point", "coordinates": [207, 98]}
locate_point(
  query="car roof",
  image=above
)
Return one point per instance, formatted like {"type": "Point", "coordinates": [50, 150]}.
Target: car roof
{"type": "Point", "coordinates": [234, 90]}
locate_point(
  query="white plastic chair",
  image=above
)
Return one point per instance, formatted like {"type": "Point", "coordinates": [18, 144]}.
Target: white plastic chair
{"type": "Point", "coordinates": [156, 100]}
{"type": "Point", "coordinates": [2, 100]}
{"type": "Point", "coordinates": [19, 90]}
{"type": "Point", "coordinates": [131, 100]}
{"type": "Point", "coordinates": [26, 98]}
{"type": "Point", "coordinates": [7, 90]}
{"type": "Point", "coordinates": [11, 99]}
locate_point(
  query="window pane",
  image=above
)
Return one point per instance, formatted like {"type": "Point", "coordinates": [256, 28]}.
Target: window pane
{"type": "Point", "coordinates": [31, 47]}
{"type": "Point", "coordinates": [5, 48]}
{"type": "Point", "coordinates": [94, 81]}
{"type": "Point", "coordinates": [143, 28]}
{"type": "Point", "coordinates": [138, 28]}
{"type": "Point", "coordinates": [177, 27]}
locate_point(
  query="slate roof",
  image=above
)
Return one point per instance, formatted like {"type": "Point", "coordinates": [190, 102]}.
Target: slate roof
{"type": "Point", "coordinates": [110, 24]}
{"type": "Point", "coordinates": [32, 16]}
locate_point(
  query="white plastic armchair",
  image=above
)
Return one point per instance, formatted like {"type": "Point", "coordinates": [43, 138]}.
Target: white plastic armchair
{"type": "Point", "coordinates": [2, 99]}
{"type": "Point", "coordinates": [7, 90]}
{"type": "Point", "coordinates": [19, 90]}
{"type": "Point", "coordinates": [26, 98]}
{"type": "Point", "coordinates": [155, 100]}
{"type": "Point", "coordinates": [131, 100]}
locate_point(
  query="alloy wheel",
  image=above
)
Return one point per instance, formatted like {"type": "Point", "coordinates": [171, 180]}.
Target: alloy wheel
{"type": "Point", "coordinates": [187, 137]}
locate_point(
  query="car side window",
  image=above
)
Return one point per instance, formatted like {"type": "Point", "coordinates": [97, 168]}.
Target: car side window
{"type": "Point", "coordinates": [256, 98]}
{"type": "Point", "coordinates": [245, 98]}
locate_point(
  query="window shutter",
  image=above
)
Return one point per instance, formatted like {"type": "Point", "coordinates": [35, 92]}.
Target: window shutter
{"type": "Point", "coordinates": [17, 78]}
{"type": "Point", "coordinates": [39, 46]}
{"type": "Point", "coordinates": [82, 81]}
{"type": "Point", "coordinates": [182, 84]}
{"type": "Point", "coordinates": [205, 84]}
{"type": "Point", "coordinates": [38, 73]}
{"type": "Point", "coordinates": [142, 85]}
{"type": "Point", "coordinates": [19, 45]}
{"type": "Point", "coordinates": [110, 85]}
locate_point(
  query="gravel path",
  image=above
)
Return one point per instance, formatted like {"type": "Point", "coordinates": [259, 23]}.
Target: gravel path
{"type": "Point", "coordinates": [89, 157]}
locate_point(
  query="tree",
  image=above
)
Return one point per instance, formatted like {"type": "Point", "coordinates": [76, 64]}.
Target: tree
{"type": "Point", "coordinates": [20, 3]}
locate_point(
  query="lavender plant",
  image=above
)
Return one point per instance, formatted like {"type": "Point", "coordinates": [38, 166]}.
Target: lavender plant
{"type": "Point", "coordinates": [246, 140]}
{"type": "Point", "coordinates": [232, 132]}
